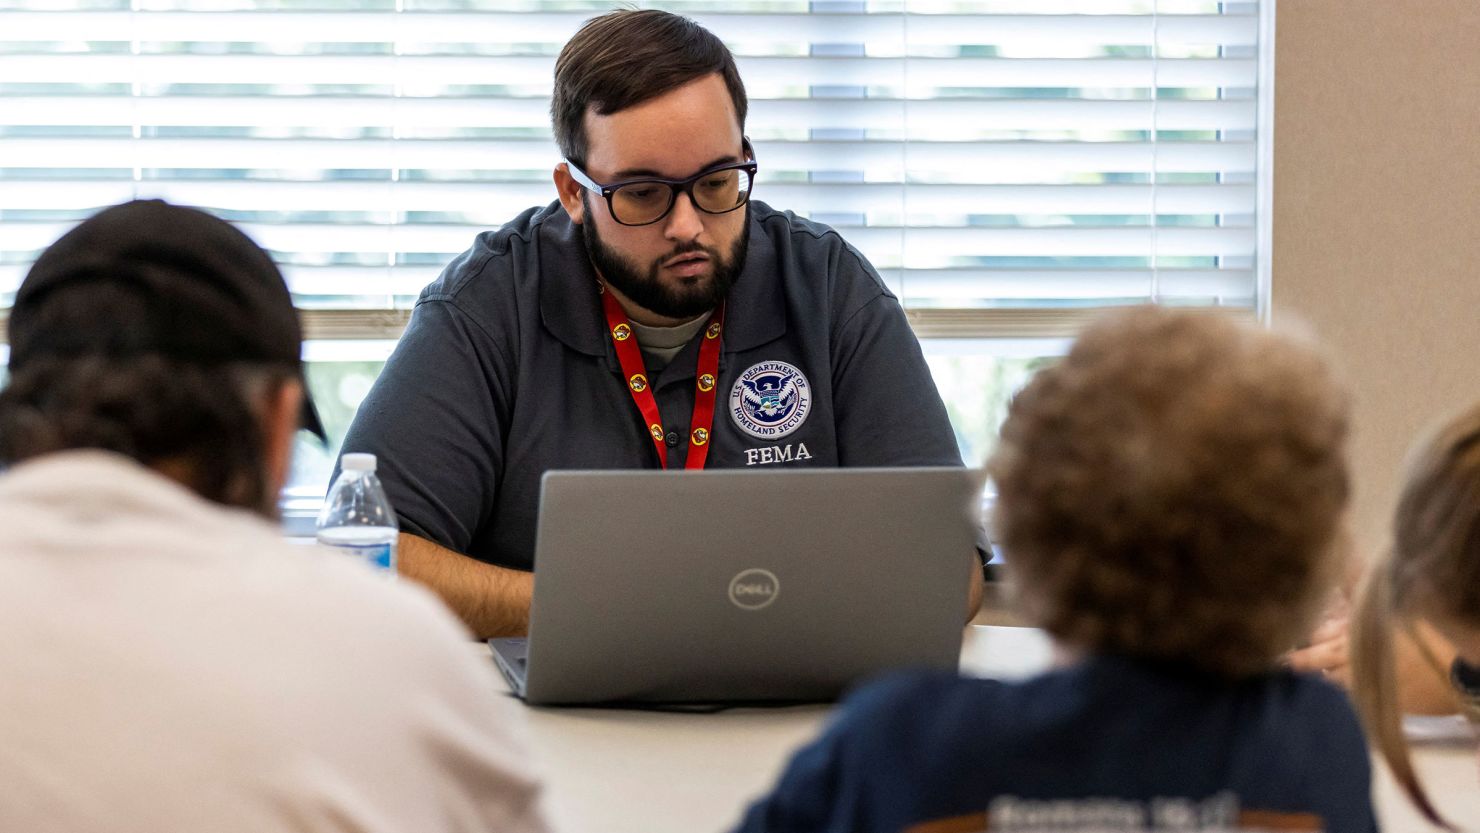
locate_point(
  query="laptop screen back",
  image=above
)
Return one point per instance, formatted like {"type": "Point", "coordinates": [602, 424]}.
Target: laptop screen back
{"type": "Point", "coordinates": [743, 585]}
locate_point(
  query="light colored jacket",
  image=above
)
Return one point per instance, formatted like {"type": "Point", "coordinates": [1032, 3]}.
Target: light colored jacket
{"type": "Point", "coordinates": [170, 665]}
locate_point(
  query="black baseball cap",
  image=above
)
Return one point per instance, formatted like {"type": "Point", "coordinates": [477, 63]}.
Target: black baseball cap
{"type": "Point", "coordinates": [209, 295]}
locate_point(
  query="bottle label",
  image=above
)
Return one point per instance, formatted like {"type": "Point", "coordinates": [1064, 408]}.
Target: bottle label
{"type": "Point", "coordinates": [380, 556]}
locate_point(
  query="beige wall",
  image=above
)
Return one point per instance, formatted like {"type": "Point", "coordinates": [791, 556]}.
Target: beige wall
{"type": "Point", "coordinates": [1377, 213]}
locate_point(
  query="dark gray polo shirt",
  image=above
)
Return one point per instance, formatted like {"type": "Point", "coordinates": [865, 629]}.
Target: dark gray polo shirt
{"type": "Point", "coordinates": [506, 371]}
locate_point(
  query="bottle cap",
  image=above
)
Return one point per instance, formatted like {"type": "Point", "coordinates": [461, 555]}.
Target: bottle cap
{"type": "Point", "coordinates": [357, 462]}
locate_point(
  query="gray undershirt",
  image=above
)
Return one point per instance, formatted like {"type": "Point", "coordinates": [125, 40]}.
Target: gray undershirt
{"type": "Point", "coordinates": [660, 344]}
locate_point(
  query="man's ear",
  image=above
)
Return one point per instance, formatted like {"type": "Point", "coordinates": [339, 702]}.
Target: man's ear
{"type": "Point", "coordinates": [570, 194]}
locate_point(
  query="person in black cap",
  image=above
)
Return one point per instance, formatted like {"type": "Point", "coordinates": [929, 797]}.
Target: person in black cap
{"type": "Point", "coordinates": [177, 664]}
{"type": "Point", "coordinates": [166, 335]}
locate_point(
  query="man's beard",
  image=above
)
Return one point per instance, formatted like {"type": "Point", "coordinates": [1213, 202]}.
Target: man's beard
{"type": "Point", "coordinates": [647, 289]}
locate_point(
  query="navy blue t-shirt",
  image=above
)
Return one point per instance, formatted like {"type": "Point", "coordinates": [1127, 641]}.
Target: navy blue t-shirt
{"type": "Point", "coordinates": [1106, 745]}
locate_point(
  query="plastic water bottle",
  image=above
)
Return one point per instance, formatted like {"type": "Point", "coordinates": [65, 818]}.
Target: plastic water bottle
{"type": "Point", "coordinates": [357, 519]}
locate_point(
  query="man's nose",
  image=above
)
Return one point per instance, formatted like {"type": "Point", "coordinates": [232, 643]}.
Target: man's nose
{"type": "Point", "coordinates": [684, 222]}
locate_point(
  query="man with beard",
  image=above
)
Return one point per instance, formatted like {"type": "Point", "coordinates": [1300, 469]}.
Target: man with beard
{"type": "Point", "coordinates": [655, 316]}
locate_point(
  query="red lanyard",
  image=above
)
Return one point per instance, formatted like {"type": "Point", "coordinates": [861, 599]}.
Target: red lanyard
{"type": "Point", "coordinates": [634, 370]}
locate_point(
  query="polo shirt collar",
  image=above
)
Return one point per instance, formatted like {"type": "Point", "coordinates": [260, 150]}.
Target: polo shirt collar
{"type": "Point", "coordinates": [571, 308]}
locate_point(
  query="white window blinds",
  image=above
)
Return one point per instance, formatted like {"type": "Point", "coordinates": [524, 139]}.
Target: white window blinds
{"type": "Point", "coordinates": [1006, 164]}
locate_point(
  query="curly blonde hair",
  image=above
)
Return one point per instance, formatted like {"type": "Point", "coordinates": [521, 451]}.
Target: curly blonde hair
{"type": "Point", "coordinates": [1174, 489]}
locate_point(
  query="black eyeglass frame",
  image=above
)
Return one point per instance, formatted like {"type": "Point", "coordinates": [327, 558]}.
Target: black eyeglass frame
{"type": "Point", "coordinates": [675, 186]}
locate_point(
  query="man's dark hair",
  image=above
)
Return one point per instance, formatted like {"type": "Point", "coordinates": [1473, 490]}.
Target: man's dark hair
{"type": "Point", "coordinates": [626, 57]}
{"type": "Point", "coordinates": [150, 408]}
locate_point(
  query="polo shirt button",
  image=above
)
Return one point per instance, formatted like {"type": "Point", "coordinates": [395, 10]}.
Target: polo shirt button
{"type": "Point", "coordinates": [671, 439]}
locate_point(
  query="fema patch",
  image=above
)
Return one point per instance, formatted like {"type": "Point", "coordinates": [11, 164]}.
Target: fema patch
{"type": "Point", "coordinates": [770, 400]}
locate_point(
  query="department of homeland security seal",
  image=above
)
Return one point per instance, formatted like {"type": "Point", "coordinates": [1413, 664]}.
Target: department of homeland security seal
{"type": "Point", "coordinates": [770, 400]}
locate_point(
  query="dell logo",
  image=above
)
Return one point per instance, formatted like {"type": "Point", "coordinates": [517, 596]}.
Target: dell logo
{"type": "Point", "coordinates": [754, 589]}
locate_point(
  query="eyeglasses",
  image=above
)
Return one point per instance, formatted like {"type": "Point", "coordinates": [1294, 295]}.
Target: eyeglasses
{"type": "Point", "coordinates": [641, 202]}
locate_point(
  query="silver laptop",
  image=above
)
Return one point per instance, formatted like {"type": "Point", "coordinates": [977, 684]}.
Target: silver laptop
{"type": "Point", "coordinates": [733, 586]}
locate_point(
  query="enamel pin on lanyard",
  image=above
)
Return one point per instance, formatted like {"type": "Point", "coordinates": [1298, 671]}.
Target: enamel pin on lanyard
{"type": "Point", "coordinates": [634, 370]}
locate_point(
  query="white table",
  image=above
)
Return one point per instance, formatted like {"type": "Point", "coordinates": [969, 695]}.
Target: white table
{"type": "Point", "coordinates": [622, 771]}
{"type": "Point", "coordinates": [1451, 774]}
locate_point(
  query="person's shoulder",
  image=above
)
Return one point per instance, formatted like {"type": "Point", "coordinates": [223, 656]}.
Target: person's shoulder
{"type": "Point", "coordinates": [494, 288]}
{"type": "Point", "coordinates": [329, 602]}
{"type": "Point", "coordinates": [919, 707]}
{"type": "Point", "coordinates": [784, 222]}
{"type": "Point", "coordinates": [498, 257]}
{"type": "Point", "coordinates": [357, 659]}
{"type": "Point", "coordinates": [906, 686]}
{"type": "Point", "coordinates": [807, 240]}
{"type": "Point", "coordinates": [353, 596]}
{"type": "Point", "coordinates": [816, 250]}
{"type": "Point", "coordinates": [1307, 741]}
{"type": "Point", "coordinates": [1309, 701]}
{"type": "Point", "coordinates": [301, 585]}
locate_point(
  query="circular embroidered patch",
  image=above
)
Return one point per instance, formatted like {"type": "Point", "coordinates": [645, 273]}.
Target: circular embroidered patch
{"type": "Point", "coordinates": [770, 400]}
